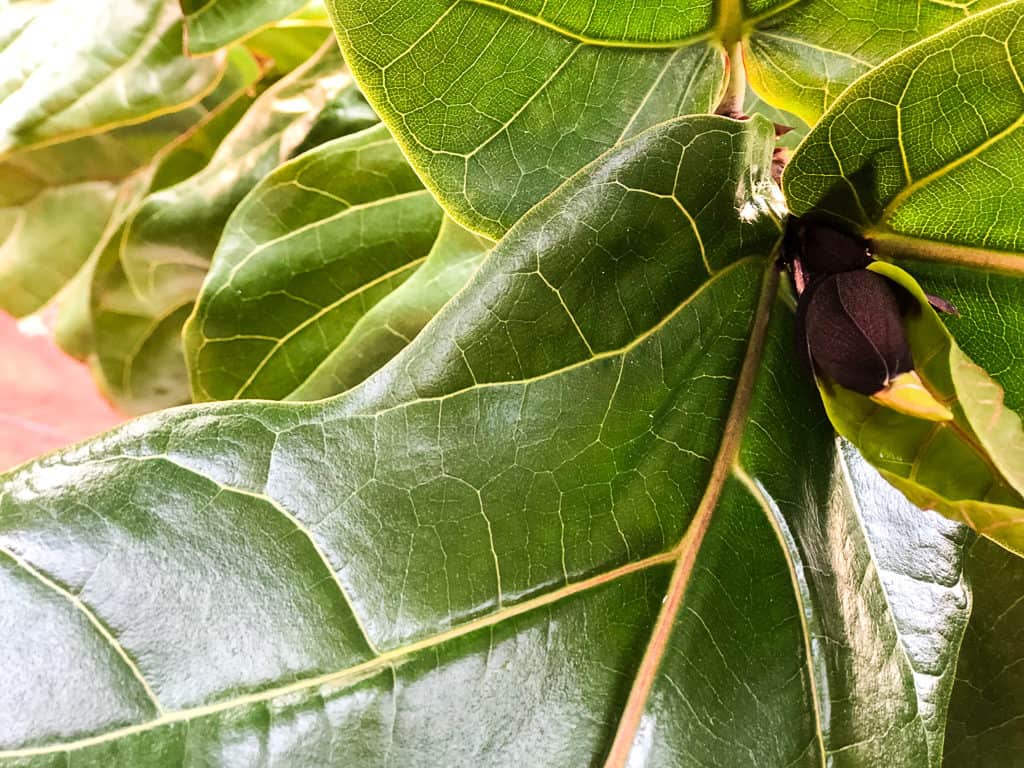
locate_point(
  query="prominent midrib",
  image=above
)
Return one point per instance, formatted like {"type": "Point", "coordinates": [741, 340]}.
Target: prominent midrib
{"type": "Point", "coordinates": [585, 39]}
{"type": "Point", "coordinates": [689, 547]}
{"type": "Point", "coordinates": [910, 247]}
{"type": "Point", "coordinates": [394, 657]}
{"type": "Point", "coordinates": [354, 673]}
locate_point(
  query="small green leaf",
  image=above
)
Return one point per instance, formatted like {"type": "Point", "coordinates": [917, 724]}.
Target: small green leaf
{"type": "Point", "coordinates": [318, 243]}
{"type": "Point", "coordinates": [990, 326]}
{"type": "Point", "coordinates": [970, 469]}
{"type": "Point", "coordinates": [149, 274]}
{"type": "Point", "coordinates": [755, 105]}
{"type": "Point", "coordinates": [291, 41]}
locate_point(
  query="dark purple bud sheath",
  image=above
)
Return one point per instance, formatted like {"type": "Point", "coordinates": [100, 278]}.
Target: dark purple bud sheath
{"type": "Point", "coordinates": [850, 319]}
{"type": "Point", "coordinates": [854, 330]}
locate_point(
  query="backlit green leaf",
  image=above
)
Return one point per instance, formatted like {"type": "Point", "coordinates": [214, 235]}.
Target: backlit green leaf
{"type": "Point", "coordinates": [291, 41]}
{"type": "Point", "coordinates": [214, 24]}
{"type": "Point", "coordinates": [522, 98]}
{"type": "Point", "coordinates": [802, 55]}
{"type": "Point", "coordinates": [495, 103]}
{"type": "Point", "coordinates": [53, 86]}
{"type": "Point", "coordinates": [921, 156]}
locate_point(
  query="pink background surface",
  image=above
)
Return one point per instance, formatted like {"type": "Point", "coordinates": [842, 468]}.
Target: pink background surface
{"type": "Point", "coordinates": [47, 399]}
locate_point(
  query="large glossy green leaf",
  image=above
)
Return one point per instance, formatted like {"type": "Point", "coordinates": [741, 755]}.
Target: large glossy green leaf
{"type": "Point", "coordinates": [565, 521]}
{"type": "Point", "coordinates": [497, 102]}
{"type": "Point", "coordinates": [321, 240]}
{"type": "Point", "coordinates": [920, 559]}
{"type": "Point", "coordinates": [74, 124]}
{"type": "Point", "coordinates": [214, 24]}
{"type": "Point", "coordinates": [150, 272]}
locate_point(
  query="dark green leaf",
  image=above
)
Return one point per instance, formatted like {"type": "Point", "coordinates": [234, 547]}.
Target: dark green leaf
{"type": "Point", "coordinates": [318, 243]}
{"type": "Point", "coordinates": [564, 521]}
{"type": "Point", "coordinates": [986, 714]}
{"type": "Point", "coordinates": [920, 559]}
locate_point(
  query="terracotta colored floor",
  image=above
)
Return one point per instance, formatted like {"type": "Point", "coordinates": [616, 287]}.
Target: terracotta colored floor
{"type": "Point", "coordinates": [47, 399]}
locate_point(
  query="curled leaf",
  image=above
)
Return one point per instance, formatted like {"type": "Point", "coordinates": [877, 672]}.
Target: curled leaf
{"type": "Point", "coordinates": [969, 468]}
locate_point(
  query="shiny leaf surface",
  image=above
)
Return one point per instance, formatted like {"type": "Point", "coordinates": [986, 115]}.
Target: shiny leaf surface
{"type": "Point", "coordinates": [563, 521]}
{"type": "Point", "coordinates": [985, 714]}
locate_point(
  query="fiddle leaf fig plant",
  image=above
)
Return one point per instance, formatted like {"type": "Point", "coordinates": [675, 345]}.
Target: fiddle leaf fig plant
{"type": "Point", "coordinates": [504, 450]}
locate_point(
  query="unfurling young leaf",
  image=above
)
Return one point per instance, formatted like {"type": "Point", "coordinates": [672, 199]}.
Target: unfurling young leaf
{"type": "Point", "coordinates": [970, 467]}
